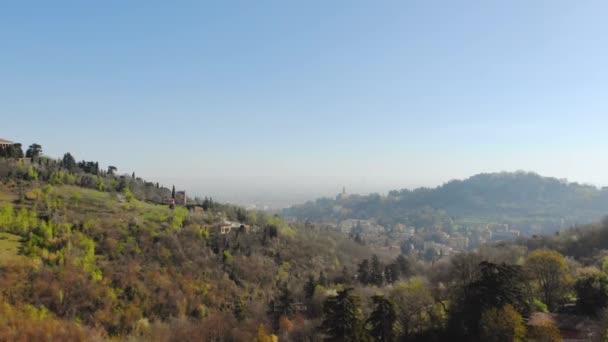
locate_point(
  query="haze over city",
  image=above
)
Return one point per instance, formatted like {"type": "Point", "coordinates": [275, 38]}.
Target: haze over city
{"type": "Point", "coordinates": [280, 102]}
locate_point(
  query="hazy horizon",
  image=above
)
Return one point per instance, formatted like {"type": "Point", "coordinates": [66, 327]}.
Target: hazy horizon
{"type": "Point", "coordinates": [292, 101]}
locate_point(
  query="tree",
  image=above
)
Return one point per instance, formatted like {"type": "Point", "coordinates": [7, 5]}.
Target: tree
{"type": "Point", "coordinates": [68, 162]}
{"type": "Point", "coordinates": [377, 277]}
{"type": "Point", "coordinates": [416, 308]}
{"type": "Point", "coordinates": [262, 336]}
{"type": "Point", "coordinates": [550, 271]}
{"type": "Point", "coordinates": [322, 279]}
{"type": "Point", "coordinates": [173, 192]}
{"type": "Point", "coordinates": [345, 278]}
{"type": "Point", "coordinates": [13, 151]}
{"type": "Point", "coordinates": [284, 303]}
{"type": "Point", "coordinates": [430, 255]}
{"type": "Point", "coordinates": [34, 151]}
{"type": "Point", "coordinates": [391, 273]}
{"type": "Point", "coordinates": [502, 325]}
{"type": "Point", "coordinates": [543, 329]}
{"type": "Point", "coordinates": [465, 268]}
{"type": "Point", "coordinates": [404, 267]}
{"type": "Point", "coordinates": [363, 272]}
{"type": "Point", "coordinates": [382, 320]}
{"type": "Point", "coordinates": [592, 294]}
{"type": "Point", "coordinates": [498, 285]}
{"type": "Point", "coordinates": [112, 169]}
{"type": "Point", "coordinates": [342, 317]}
{"type": "Point", "coordinates": [309, 287]}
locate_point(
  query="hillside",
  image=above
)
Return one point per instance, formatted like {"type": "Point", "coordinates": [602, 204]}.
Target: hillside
{"type": "Point", "coordinates": [89, 255]}
{"type": "Point", "coordinates": [526, 201]}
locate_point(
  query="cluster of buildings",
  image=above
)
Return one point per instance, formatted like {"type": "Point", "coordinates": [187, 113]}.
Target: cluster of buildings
{"type": "Point", "coordinates": [362, 227]}
{"type": "Point", "coordinates": [421, 239]}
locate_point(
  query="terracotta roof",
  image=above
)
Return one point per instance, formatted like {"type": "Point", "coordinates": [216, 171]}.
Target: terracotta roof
{"type": "Point", "coordinates": [4, 142]}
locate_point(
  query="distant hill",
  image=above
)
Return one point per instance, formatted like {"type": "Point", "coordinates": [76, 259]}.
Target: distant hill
{"type": "Point", "coordinates": [524, 200]}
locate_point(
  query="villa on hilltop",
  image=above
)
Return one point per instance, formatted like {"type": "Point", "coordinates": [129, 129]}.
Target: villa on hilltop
{"type": "Point", "coordinates": [4, 144]}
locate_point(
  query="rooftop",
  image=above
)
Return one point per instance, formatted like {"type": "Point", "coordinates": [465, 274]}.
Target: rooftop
{"type": "Point", "coordinates": [5, 142]}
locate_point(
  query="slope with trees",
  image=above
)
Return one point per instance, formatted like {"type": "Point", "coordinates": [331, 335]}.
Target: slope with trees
{"type": "Point", "coordinates": [527, 201]}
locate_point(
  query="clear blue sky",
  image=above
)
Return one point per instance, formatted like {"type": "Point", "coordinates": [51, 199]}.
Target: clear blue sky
{"type": "Point", "coordinates": [302, 97]}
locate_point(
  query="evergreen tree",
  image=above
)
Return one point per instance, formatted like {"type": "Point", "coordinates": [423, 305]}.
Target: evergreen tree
{"type": "Point", "coordinates": [346, 278]}
{"type": "Point", "coordinates": [377, 277]}
{"type": "Point", "coordinates": [285, 302]}
{"type": "Point", "coordinates": [34, 151]}
{"type": "Point", "coordinates": [497, 286]}
{"type": "Point", "coordinates": [405, 269]}
{"type": "Point", "coordinates": [592, 294]}
{"type": "Point", "coordinates": [309, 287]}
{"type": "Point", "coordinates": [342, 318]}
{"type": "Point", "coordinates": [322, 279]}
{"type": "Point", "coordinates": [112, 170]}
{"type": "Point", "coordinates": [68, 162]}
{"type": "Point", "coordinates": [13, 151]}
{"type": "Point", "coordinates": [173, 192]}
{"type": "Point", "coordinates": [382, 319]}
{"type": "Point", "coordinates": [391, 273]}
{"type": "Point", "coordinates": [363, 272]}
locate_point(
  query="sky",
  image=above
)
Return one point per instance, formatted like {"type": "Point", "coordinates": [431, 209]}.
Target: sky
{"type": "Point", "coordinates": [283, 101]}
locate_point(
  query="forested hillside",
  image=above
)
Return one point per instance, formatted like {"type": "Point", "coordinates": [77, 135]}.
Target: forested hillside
{"type": "Point", "coordinates": [524, 200]}
{"type": "Point", "coordinates": [87, 255]}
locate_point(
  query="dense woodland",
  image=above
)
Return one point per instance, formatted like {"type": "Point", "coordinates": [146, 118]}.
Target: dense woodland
{"type": "Point", "coordinates": [89, 254]}
{"type": "Point", "coordinates": [526, 201]}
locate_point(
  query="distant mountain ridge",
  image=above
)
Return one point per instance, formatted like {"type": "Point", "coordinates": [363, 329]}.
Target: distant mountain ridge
{"type": "Point", "coordinates": [525, 200]}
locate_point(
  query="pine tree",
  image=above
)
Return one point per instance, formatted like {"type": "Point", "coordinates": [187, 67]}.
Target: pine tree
{"type": "Point", "coordinates": [173, 192]}
{"type": "Point", "coordinates": [382, 319]}
{"type": "Point", "coordinates": [342, 318]}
